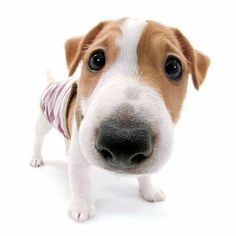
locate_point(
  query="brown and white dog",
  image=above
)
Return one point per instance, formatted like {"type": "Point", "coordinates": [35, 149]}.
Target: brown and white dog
{"type": "Point", "coordinates": [127, 97]}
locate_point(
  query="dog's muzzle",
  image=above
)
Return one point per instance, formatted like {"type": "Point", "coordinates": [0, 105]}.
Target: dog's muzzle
{"type": "Point", "coordinates": [124, 144]}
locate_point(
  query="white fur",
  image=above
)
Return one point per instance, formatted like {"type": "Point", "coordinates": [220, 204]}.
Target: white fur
{"type": "Point", "coordinates": [150, 108]}
{"type": "Point", "coordinates": [147, 191]}
{"type": "Point", "coordinates": [67, 145]}
{"type": "Point", "coordinates": [42, 128]}
{"type": "Point", "coordinates": [109, 94]}
{"type": "Point", "coordinates": [126, 63]}
{"type": "Point", "coordinates": [81, 206]}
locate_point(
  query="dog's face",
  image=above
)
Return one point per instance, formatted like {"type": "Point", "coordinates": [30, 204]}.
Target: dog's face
{"type": "Point", "coordinates": [132, 85]}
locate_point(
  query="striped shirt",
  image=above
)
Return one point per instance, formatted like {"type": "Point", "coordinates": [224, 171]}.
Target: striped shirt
{"type": "Point", "coordinates": [54, 104]}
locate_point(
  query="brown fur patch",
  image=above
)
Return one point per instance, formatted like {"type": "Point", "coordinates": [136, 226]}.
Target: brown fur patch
{"type": "Point", "coordinates": [156, 43]}
{"type": "Point", "coordinates": [105, 40]}
{"type": "Point", "coordinates": [71, 47]}
{"type": "Point", "coordinates": [198, 62]}
{"type": "Point", "coordinates": [70, 109]}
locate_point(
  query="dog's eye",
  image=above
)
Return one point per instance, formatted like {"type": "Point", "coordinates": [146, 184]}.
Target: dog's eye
{"type": "Point", "coordinates": [173, 68]}
{"type": "Point", "coordinates": [97, 60]}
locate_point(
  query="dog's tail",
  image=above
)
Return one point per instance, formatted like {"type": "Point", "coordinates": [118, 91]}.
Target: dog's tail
{"type": "Point", "coordinates": [49, 77]}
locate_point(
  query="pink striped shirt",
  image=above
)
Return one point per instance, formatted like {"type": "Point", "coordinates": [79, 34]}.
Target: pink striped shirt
{"type": "Point", "coordinates": [54, 104]}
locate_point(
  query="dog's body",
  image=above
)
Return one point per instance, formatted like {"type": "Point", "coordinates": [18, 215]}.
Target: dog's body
{"type": "Point", "coordinates": [120, 112]}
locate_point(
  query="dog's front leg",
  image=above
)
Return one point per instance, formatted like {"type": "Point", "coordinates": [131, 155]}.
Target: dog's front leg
{"type": "Point", "coordinates": [81, 205]}
{"type": "Point", "coordinates": [148, 191]}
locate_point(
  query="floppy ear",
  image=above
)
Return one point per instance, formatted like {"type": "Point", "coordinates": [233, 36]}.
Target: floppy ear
{"type": "Point", "coordinates": [76, 46]}
{"type": "Point", "coordinates": [198, 62]}
{"type": "Point", "coordinates": [71, 46]}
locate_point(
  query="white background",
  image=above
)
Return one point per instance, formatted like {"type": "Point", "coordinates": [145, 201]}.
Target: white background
{"type": "Point", "coordinates": [199, 180]}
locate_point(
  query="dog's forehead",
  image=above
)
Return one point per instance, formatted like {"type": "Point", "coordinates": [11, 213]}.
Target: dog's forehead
{"type": "Point", "coordinates": [132, 30]}
{"type": "Point", "coordinates": [130, 34]}
{"type": "Point", "coordinates": [128, 31]}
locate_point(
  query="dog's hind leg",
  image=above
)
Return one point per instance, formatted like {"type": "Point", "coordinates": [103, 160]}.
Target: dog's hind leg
{"type": "Point", "coordinates": [67, 145]}
{"type": "Point", "coordinates": [41, 129]}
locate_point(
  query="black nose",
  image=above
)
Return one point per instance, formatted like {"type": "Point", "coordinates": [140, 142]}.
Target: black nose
{"type": "Point", "coordinates": [122, 145]}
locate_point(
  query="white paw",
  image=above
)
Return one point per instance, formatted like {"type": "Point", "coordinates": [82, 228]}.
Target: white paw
{"type": "Point", "coordinates": [152, 194]}
{"type": "Point", "coordinates": [81, 210]}
{"type": "Point", "coordinates": [36, 163]}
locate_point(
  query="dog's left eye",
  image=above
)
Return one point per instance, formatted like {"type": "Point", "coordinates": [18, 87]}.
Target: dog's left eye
{"type": "Point", "coordinates": [173, 68]}
{"type": "Point", "coordinates": [97, 60]}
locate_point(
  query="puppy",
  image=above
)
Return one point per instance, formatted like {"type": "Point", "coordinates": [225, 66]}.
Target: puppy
{"type": "Point", "coordinates": [127, 82]}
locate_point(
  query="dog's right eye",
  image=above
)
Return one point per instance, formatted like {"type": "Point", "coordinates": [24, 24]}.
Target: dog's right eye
{"type": "Point", "coordinates": [97, 60]}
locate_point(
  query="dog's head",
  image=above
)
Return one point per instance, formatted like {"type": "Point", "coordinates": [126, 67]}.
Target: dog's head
{"type": "Point", "coordinates": [132, 84]}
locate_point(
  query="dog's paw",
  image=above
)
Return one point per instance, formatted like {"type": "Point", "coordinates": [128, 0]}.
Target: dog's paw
{"type": "Point", "coordinates": [81, 210]}
{"type": "Point", "coordinates": [152, 194]}
{"type": "Point", "coordinates": [36, 163]}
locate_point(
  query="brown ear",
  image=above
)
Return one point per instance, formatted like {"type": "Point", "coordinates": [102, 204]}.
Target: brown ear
{"type": "Point", "coordinates": [71, 47]}
{"type": "Point", "coordinates": [198, 61]}
{"type": "Point", "coordinates": [76, 46]}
